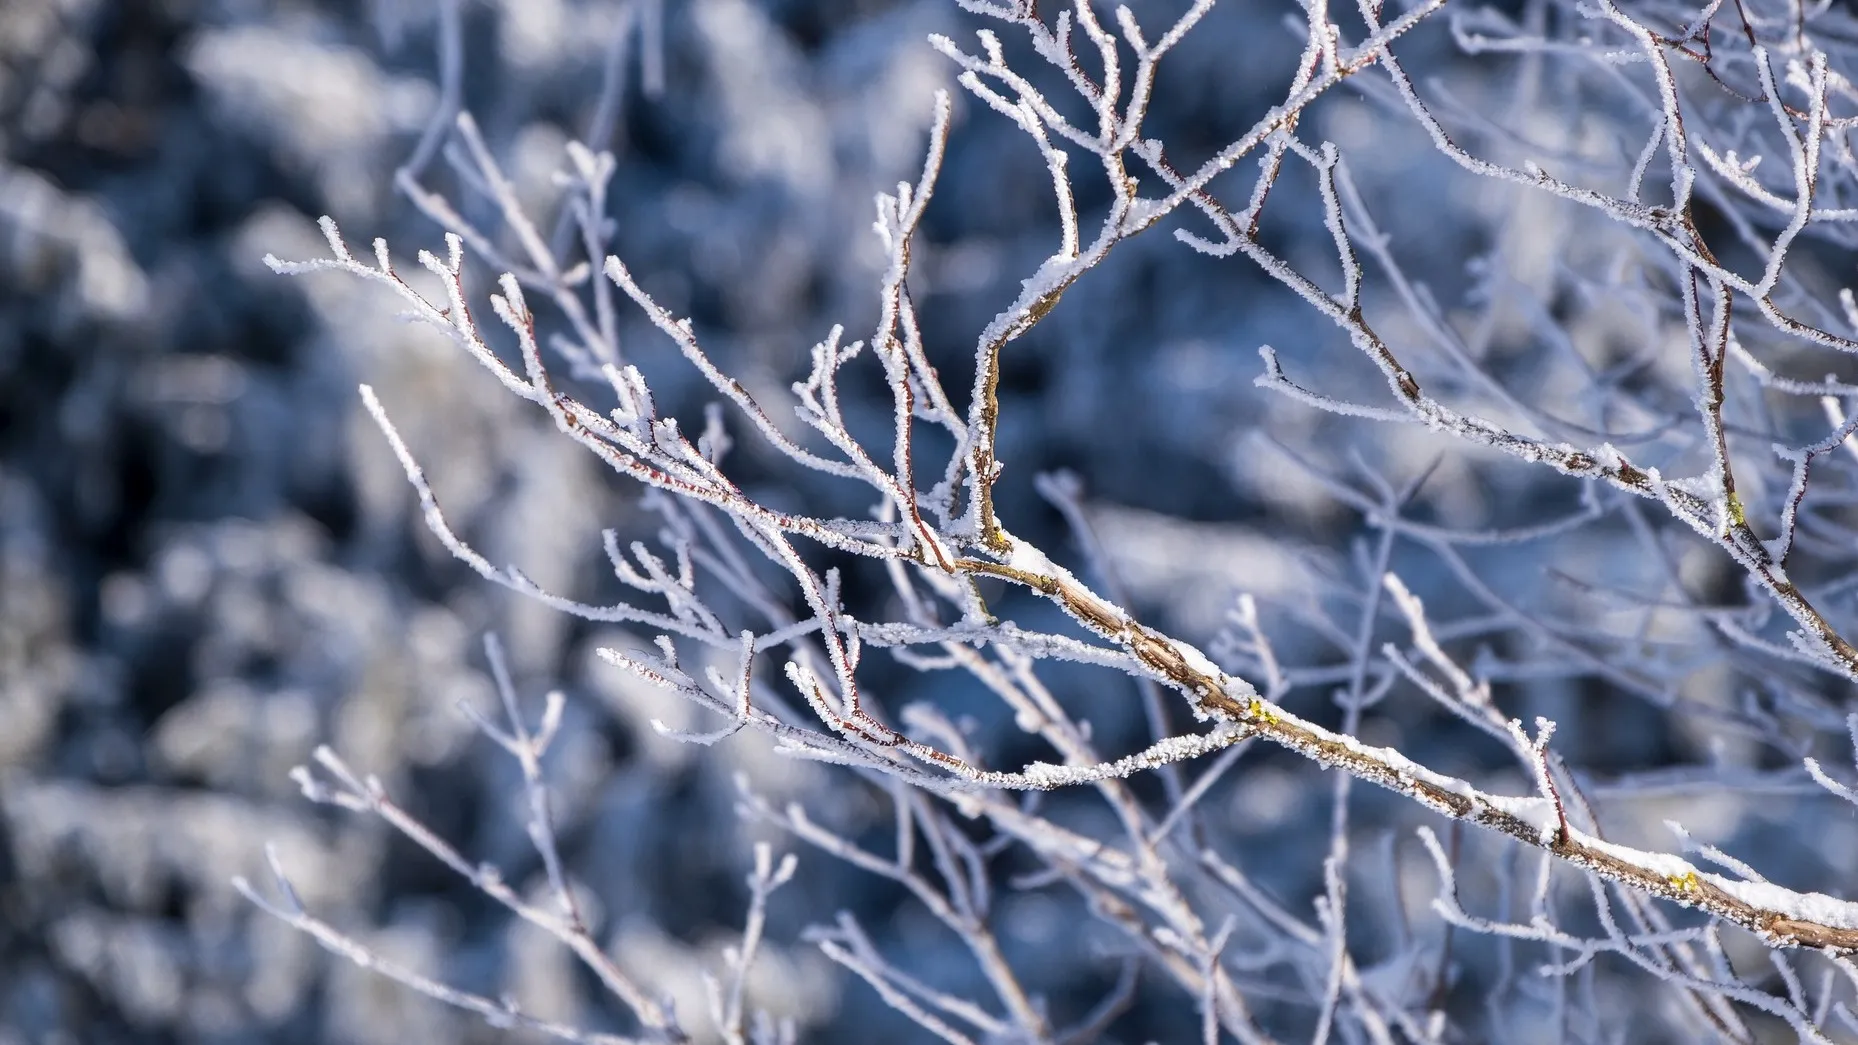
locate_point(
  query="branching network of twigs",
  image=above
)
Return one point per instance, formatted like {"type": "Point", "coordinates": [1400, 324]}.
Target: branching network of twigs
{"type": "Point", "coordinates": [936, 535]}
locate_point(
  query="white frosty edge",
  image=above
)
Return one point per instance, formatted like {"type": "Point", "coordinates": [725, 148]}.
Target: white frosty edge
{"type": "Point", "coordinates": [1817, 908]}
{"type": "Point", "coordinates": [1663, 864]}
{"type": "Point", "coordinates": [1196, 660]}
{"type": "Point", "coordinates": [1024, 557]}
{"type": "Point", "coordinates": [1407, 768]}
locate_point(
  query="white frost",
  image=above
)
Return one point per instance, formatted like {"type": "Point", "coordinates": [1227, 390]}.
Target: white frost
{"type": "Point", "coordinates": [1803, 907]}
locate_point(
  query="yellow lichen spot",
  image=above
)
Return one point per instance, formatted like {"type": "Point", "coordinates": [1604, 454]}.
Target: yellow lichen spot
{"type": "Point", "coordinates": [1736, 514]}
{"type": "Point", "coordinates": [1259, 711]}
{"type": "Point", "coordinates": [1684, 883]}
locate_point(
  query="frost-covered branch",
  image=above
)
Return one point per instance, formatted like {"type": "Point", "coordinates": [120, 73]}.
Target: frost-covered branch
{"type": "Point", "coordinates": [735, 580]}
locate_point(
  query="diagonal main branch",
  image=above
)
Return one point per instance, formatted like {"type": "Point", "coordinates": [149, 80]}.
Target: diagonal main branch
{"type": "Point", "coordinates": [1779, 916]}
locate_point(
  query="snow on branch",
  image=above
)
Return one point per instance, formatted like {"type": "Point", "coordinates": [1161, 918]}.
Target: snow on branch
{"type": "Point", "coordinates": [735, 579]}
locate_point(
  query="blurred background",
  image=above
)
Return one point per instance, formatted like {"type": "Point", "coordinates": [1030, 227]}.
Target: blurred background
{"type": "Point", "coordinates": [211, 563]}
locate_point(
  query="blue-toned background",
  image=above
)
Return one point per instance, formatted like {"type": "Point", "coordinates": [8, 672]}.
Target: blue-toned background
{"type": "Point", "coordinates": [210, 561]}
